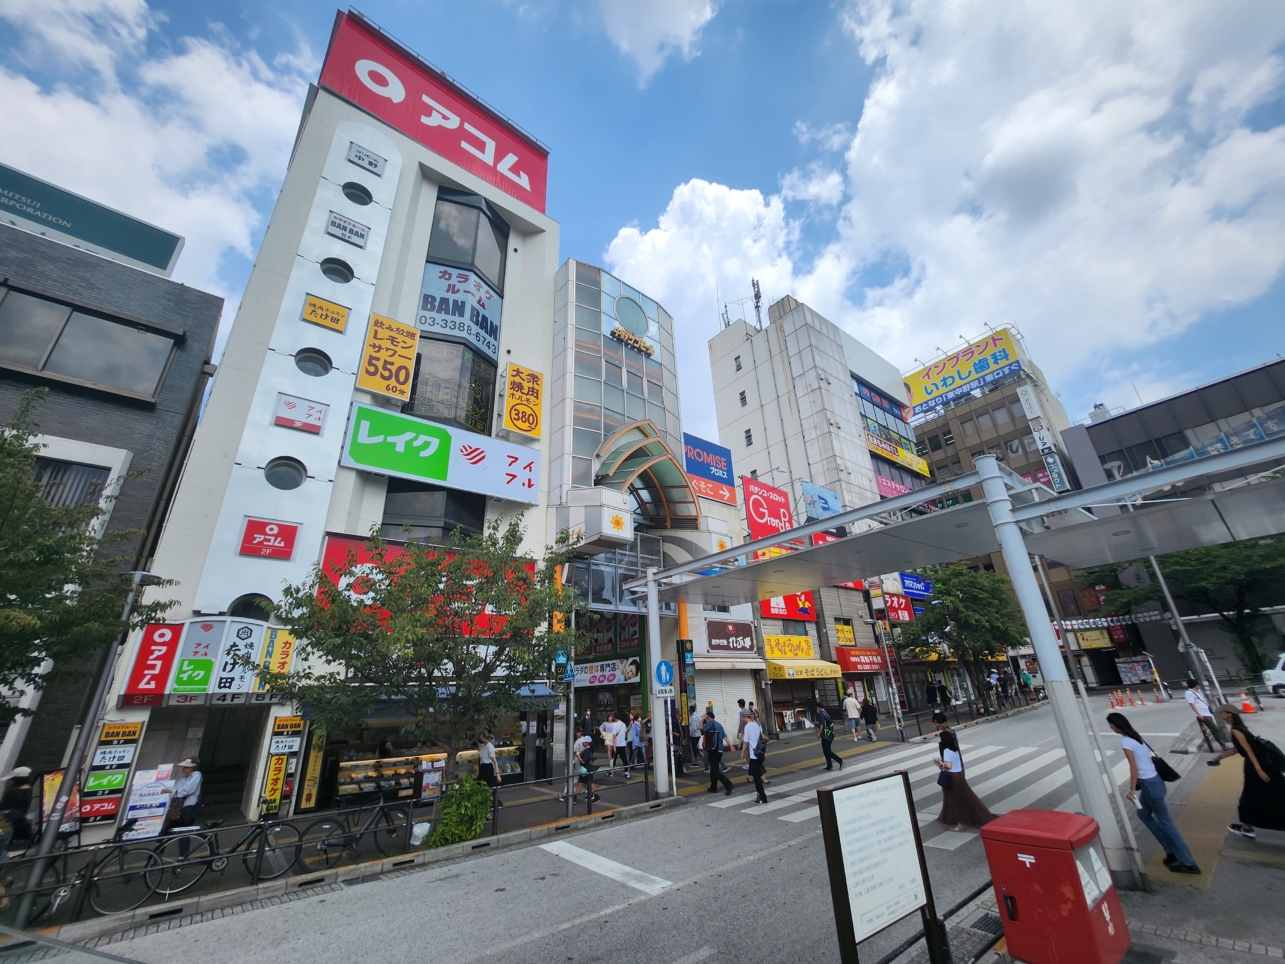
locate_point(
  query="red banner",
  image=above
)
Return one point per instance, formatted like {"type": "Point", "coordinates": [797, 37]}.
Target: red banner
{"type": "Point", "coordinates": [767, 509]}
{"type": "Point", "coordinates": [901, 609]}
{"type": "Point", "coordinates": [797, 605]}
{"type": "Point", "coordinates": [888, 488]}
{"type": "Point", "coordinates": [367, 69]}
{"type": "Point", "coordinates": [853, 659]}
{"type": "Point", "coordinates": [273, 540]}
{"type": "Point", "coordinates": [150, 673]}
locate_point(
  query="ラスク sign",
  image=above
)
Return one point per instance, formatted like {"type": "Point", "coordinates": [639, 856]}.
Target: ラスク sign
{"type": "Point", "coordinates": [369, 70]}
{"type": "Point", "coordinates": [411, 448]}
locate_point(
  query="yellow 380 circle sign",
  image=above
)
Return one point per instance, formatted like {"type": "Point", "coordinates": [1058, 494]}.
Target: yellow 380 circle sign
{"type": "Point", "coordinates": [523, 397]}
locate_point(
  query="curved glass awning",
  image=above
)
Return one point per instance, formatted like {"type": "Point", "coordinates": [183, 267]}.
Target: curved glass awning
{"type": "Point", "coordinates": [636, 460]}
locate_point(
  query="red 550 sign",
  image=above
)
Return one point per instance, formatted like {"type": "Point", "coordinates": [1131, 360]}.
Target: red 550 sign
{"type": "Point", "coordinates": [366, 68]}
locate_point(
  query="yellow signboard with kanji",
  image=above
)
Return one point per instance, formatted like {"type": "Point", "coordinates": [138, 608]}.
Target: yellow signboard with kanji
{"type": "Point", "coordinates": [274, 783]}
{"type": "Point", "coordinates": [788, 647]}
{"type": "Point", "coordinates": [276, 656]}
{"type": "Point", "coordinates": [523, 399]}
{"type": "Point", "coordinates": [388, 360]}
{"type": "Point", "coordinates": [325, 313]}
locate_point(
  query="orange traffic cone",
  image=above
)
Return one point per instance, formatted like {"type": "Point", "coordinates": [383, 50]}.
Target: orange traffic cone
{"type": "Point", "coordinates": [1130, 695]}
{"type": "Point", "coordinates": [1245, 705]}
{"type": "Point", "coordinates": [1111, 697]}
{"type": "Point", "coordinates": [1156, 691]}
{"type": "Point", "coordinates": [1142, 700]}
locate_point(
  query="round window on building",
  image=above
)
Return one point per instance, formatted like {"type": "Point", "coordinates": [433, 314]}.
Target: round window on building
{"type": "Point", "coordinates": [340, 271]}
{"type": "Point", "coordinates": [285, 473]}
{"type": "Point", "coordinates": [251, 606]}
{"type": "Point", "coordinates": [357, 193]}
{"type": "Point", "coordinates": [312, 361]}
{"type": "Point", "coordinates": [631, 316]}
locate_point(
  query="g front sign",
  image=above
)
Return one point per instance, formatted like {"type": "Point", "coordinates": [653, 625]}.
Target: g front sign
{"type": "Point", "coordinates": [767, 509]}
{"type": "Point", "coordinates": [367, 69]}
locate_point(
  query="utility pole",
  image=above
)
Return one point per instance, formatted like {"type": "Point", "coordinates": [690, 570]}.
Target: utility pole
{"type": "Point", "coordinates": [661, 754]}
{"type": "Point", "coordinates": [1188, 649]}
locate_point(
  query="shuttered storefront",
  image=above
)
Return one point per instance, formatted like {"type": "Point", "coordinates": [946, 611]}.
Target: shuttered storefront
{"type": "Point", "coordinates": [723, 688]}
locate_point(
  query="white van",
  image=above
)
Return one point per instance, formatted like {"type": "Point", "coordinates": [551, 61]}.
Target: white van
{"type": "Point", "coordinates": [1275, 678]}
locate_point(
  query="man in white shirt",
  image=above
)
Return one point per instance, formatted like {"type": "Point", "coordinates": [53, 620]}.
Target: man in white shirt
{"type": "Point", "coordinates": [753, 733]}
{"type": "Point", "coordinates": [614, 738]}
{"type": "Point", "coordinates": [694, 734]}
{"type": "Point", "coordinates": [187, 792]}
{"type": "Point", "coordinates": [852, 713]}
{"type": "Point", "coordinates": [1204, 715]}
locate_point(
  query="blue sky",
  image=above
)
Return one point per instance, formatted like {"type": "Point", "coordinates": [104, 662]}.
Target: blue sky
{"type": "Point", "coordinates": [1109, 177]}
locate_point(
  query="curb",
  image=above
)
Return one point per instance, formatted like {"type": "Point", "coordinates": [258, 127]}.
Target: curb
{"type": "Point", "coordinates": [157, 917]}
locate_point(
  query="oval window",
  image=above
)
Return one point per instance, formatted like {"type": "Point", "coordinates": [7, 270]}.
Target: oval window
{"type": "Point", "coordinates": [285, 473]}
{"type": "Point", "coordinates": [312, 361]}
{"type": "Point", "coordinates": [340, 271]}
{"type": "Point", "coordinates": [631, 316]}
{"type": "Point", "coordinates": [357, 193]}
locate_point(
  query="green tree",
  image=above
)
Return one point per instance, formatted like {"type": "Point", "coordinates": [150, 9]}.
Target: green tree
{"type": "Point", "coordinates": [972, 617]}
{"type": "Point", "coordinates": [61, 588]}
{"type": "Point", "coordinates": [1234, 579]}
{"type": "Point", "coordinates": [442, 640]}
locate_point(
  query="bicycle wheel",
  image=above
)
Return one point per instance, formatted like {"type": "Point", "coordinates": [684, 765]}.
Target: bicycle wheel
{"type": "Point", "coordinates": [322, 844]}
{"type": "Point", "coordinates": [281, 848]}
{"type": "Point", "coordinates": [47, 894]}
{"type": "Point", "coordinates": [182, 861]}
{"type": "Point", "coordinates": [123, 879]}
{"type": "Point", "coordinates": [389, 832]}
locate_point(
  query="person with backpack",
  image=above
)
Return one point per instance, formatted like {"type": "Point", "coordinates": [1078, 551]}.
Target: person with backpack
{"type": "Point", "coordinates": [1262, 800]}
{"type": "Point", "coordinates": [825, 733]}
{"type": "Point", "coordinates": [870, 717]}
{"type": "Point", "coordinates": [714, 738]}
{"type": "Point", "coordinates": [1146, 784]}
{"type": "Point", "coordinates": [755, 743]}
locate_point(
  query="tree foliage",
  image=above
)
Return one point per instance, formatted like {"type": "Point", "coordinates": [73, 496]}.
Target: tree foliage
{"type": "Point", "coordinates": [1234, 579]}
{"type": "Point", "coordinates": [972, 617]}
{"type": "Point", "coordinates": [440, 642]}
{"type": "Point", "coordinates": [61, 589]}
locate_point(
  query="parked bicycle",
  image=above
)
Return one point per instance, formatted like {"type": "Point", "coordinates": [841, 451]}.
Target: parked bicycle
{"type": "Point", "coordinates": [268, 850]}
{"type": "Point", "coordinates": [119, 879]}
{"type": "Point", "coordinates": [326, 840]}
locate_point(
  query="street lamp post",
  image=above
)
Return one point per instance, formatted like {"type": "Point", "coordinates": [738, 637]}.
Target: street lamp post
{"type": "Point", "coordinates": [75, 762]}
{"type": "Point", "coordinates": [895, 700]}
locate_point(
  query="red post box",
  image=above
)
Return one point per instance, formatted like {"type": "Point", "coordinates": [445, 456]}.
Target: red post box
{"type": "Point", "coordinates": [1054, 889]}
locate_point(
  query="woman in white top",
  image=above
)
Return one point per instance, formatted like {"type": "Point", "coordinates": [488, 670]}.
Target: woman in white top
{"type": "Point", "coordinates": [487, 768]}
{"type": "Point", "coordinates": [1146, 784]}
{"type": "Point", "coordinates": [960, 807]}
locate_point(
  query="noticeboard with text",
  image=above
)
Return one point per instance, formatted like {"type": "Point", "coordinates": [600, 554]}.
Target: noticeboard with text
{"type": "Point", "coordinates": [523, 401]}
{"type": "Point", "coordinates": [388, 360]}
{"type": "Point", "coordinates": [980, 362]}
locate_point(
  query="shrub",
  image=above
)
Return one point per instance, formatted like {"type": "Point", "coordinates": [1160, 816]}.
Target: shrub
{"type": "Point", "coordinates": [463, 812]}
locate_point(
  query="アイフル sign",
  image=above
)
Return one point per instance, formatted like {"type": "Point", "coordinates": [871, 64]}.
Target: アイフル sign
{"type": "Point", "coordinates": [411, 448]}
{"type": "Point", "coordinates": [366, 68]}
{"type": "Point", "coordinates": [300, 414]}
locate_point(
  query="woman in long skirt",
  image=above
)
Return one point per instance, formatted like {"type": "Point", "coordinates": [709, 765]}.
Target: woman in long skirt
{"type": "Point", "coordinates": [1262, 801]}
{"type": "Point", "coordinates": [960, 807]}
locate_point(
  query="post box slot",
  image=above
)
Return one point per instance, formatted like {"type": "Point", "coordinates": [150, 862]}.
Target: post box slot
{"type": "Point", "coordinates": [1010, 907]}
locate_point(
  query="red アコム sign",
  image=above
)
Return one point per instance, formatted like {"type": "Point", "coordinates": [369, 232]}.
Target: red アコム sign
{"type": "Point", "coordinates": [369, 70]}
{"type": "Point", "coordinates": [150, 674]}
{"type": "Point", "coordinates": [269, 538]}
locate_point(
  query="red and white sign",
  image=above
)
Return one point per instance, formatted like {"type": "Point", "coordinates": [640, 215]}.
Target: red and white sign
{"type": "Point", "coordinates": [369, 70]}
{"type": "Point", "coordinates": [150, 675]}
{"type": "Point", "coordinates": [299, 413]}
{"type": "Point", "coordinates": [854, 659]}
{"type": "Point", "coordinates": [268, 538]}
{"type": "Point", "coordinates": [889, 488]}
{"type": "Point", "coordinates": [717, 491]}
{"type": "Point", "coordinates": [767, 509]}
{"type": "Point", "coordinates": [797, 605]}
{"type": "Point", "coordinates": [901, 609]}
{"type": "Point", "coordinates": [99, 808]}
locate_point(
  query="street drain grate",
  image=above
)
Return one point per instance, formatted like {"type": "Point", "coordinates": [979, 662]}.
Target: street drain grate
{"type": "Point", "coordinates": [988, 924]}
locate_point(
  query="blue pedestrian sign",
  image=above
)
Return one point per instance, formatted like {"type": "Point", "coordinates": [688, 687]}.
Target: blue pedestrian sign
{"type": "Point", "coordinates": [665, 673]}
{"type": "Point", "coordinates": [560, 657]}
{"type": "Point", "coordinates": [569, 674]}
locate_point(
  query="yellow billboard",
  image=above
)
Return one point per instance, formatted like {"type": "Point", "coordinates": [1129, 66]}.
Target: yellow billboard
{"type": "Point", "coordinates": [523, 401]}
{"type": "Point", "coordinates": [970, 366]}
{"type": "Point", "coordinates": [788, 647]}
{"type": "Point", "coordinates": [388, 361]}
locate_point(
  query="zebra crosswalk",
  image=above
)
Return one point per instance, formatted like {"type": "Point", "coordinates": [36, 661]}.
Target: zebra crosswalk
{"type": "Point", "coordinates": [1016, 778]}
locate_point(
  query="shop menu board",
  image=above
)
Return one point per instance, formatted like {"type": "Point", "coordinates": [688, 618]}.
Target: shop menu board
{"type": "Point", "coordinates": [874, 855]}
{"type": "Point", "coordinates": [149, 802]}
{"type": "Point", "coordinates": [1135, 671]}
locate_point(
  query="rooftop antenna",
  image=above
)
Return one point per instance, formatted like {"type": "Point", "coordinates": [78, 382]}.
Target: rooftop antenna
{"type": "Point", "coordinates": [727, 319]}
{"type": "Point", "coordinates": [758, 303]}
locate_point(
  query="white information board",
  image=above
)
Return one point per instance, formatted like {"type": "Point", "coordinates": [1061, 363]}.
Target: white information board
{"type": "Point", "coordinates": [881, 863]}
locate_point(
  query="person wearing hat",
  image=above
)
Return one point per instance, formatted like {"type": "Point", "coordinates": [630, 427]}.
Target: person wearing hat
{"type": "Point", "coordinates": [187, 792]}
{"type": "Point", "coordinates": [14, 805]}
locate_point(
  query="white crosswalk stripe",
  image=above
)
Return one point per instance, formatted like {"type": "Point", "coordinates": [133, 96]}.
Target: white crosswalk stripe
{"type": "Point", "coordinates": [1004, 779]}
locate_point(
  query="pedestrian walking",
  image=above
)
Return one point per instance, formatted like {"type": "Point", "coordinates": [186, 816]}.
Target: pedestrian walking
{"type": "Point", "coordinates": [637, 747]}
{"type": "Point", "coordinates": [694, 734]}
{"type": "Point", "coordinates": [1262, 800]}
{"type": "Point", "coordinates": [614, 739]}
{"type": "Point", "coordinates": [1148, 790]}
{"type": "Point", "coordinates": [943, 694]}
{"type": "Point", "coordinates": [1026, 681]}
{"type": "Point", "coordinates": [487, 771]}
{"type": "Point", "coordinates": [586, 766]}
{"type": "Point", "coordinates": [1195, 697]}
{"type": "Point", "coordinates": [960, 806]}
{"type": "Point", "coordinates": [186, 802]}
{"type": "Point", "coordinates": [930, 692]}
{"type": "Point", "coordinates": [714, 738]}
{"type": "Point", "coordinates": [744, 715]}
{"type": "Point", "coordinates": [870, 717]}
{"type": "Point", "coordinates": [586, 720]}
{"type": "Point", "coordinates": [825, 733]}
{"type": "Point", "coordinates": [756, 744]}
{"type": "Point", "coordinates": [852, 714]}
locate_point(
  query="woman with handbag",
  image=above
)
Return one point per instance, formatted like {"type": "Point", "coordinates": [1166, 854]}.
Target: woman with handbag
{"type": "Point", "coordinates": [960, 807]}
{"type": "Point", "coordinates": [1262, 800]}
{"type": "Point", "coordinates": [1147, 777]}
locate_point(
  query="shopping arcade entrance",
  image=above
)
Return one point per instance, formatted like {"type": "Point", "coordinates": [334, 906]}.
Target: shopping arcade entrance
{"type": "Point", "coordinates": [1019, 519]}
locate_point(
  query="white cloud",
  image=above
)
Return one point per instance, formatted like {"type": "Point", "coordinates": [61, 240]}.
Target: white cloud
{"type": "Point", "coordinates": [1089, 173]}
{"type": "Point", "coordinates": [194, 139]}
{"type": "Point", "coordinates": [818, 183]}
{"type": "Point", "coordinates": [831, 137]}
{"type": "Point", "coordinates": [649, 32]}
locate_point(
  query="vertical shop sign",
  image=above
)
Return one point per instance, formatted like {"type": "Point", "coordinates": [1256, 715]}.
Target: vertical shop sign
{"type": "Point", "coordinates": [312, 771]}
{"type": "Point", "coordinates": [274, 783]}
{"type": "Point", "coordinates": [196, 656]}
{"type": "Point", "coordinates": [150, 674]}
{"type": "Point", "coordinates": [109, 771]}
{"type": "Point", "coordinates": [523, 401]}
{"type": "Point", "coordinates": [49, 785]}
{"type": "Point", "coordinates": [388, 360]}
{"type": "Point", "coordinates": [232, 675]}
{"type": "Point", "coordinates": [277, 655]}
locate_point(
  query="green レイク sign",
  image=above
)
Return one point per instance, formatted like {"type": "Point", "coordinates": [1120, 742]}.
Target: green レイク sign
{"type": "Point", "coordinates": [105, 780]}
{"type": "Point", "coordinates": [387, 442]}
{"type": "Point", "coordinates": [193, 676]}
